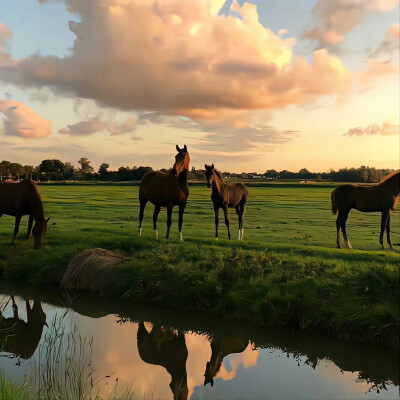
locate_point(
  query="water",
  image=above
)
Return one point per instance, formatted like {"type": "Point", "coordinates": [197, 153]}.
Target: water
{"type": "Point", "coordinates": [159, 354]}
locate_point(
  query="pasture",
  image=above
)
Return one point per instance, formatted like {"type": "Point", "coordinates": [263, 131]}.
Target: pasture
{"type": "Point", "coordinates": [287, 270]}
{"type": "Point", "coordinates": [280, 214]}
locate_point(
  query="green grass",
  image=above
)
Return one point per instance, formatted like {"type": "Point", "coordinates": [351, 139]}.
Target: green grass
{"type": "Point", "coordinates": [286, 272]}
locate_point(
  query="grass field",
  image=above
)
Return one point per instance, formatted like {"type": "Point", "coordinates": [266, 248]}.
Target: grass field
{"type": "Point", "coordinates": [287, 270]}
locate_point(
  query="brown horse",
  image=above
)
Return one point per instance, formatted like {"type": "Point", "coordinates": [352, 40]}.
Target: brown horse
{"type": "Point", "coordinates": [382, 197]}
{"type": "Point", "coordinates": [22, 198]}
{"type": "Point", "coordinates": [166, 190]}
{"type": "Point", "coordinates": [226, 196]}
{"type": "Point", "coordinates": [19, 337]}
{"type": "Point", "coordinates": [161, 346]}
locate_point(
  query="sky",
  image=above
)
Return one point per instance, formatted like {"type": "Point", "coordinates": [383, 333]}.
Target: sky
{"type": "Point", "coordinates": [248, 86]}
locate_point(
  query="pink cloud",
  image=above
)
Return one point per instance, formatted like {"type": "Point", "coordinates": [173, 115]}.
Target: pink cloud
{"type": "Point", "coordinates": [22, 121]}
{"type": "Point", "coordinates": [334, 19]}
{"type": "Point", "coordinates": [387, 128]}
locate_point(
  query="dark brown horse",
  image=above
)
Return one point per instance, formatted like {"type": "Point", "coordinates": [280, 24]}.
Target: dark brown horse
{"type": "Point", "coordinates": [226, 196]}
{"type": "Point", "coordinates": [166, 190]}
{"type": "Point", "coordinates": [19, 337]}
{"type": "Point", "coordinates": [161, 346]}
{"type": "Point", "coordinates": [382, 198]}
{"type": "Point", "coordinates": [22, 198]}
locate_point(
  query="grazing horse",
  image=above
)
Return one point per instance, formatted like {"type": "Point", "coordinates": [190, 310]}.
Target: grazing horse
{"type": "Point", "coordinates": [226, 196]}
{"type": "Point", "coordinates": [382, 197]}
{"type": "Point", "coordinates": [22, 198]}
{"type": "Point", "coordinates": [166, 190]}
{"type": "Point", "coordinates": [161, 346]}
{"type": "Point", "coordinates": [19, 337]}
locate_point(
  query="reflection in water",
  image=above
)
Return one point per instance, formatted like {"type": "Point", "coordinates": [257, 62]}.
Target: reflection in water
{"type": "Point", "coordinates": [162, 346]}
{"type": "Point", "coordinates": [176, 349]}
{"type": "Point", "coordinates": [222, 347]}
{"type": "Point", "coordinates": [18, 337]}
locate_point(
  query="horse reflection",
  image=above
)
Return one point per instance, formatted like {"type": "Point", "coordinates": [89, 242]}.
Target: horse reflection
{"type": "Point", "coordinates": [19, 337]}
{"type": "Point", "coordinates": [222, 347]}
{"type": "Point", "coordinates": [161, 346]}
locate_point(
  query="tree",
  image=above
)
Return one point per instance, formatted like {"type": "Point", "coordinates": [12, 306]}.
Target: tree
{"type": "Point", "coordinates": [52, 169]}
{"type": "Point", "coordinates": [16, 169]}
{"type": "Point", "coordinates": [85, 168]}
{"type": "Point", "coordinates": [69, 171]}
{"type": "Point", "coordinates": [103, 171]}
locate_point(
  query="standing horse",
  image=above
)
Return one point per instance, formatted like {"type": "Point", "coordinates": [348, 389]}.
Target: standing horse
{"type": "Point", "coordinates": [226, 196]}
{"type": "Point", "coordinates": [22, 198]}
{"type": "Point", "coordinates": [382, 197]}
{"type": "Point", "coordinates": [166, 190]}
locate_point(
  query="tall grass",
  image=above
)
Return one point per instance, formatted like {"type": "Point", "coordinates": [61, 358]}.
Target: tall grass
{"type": "Point", "coordinates": [62, 370]}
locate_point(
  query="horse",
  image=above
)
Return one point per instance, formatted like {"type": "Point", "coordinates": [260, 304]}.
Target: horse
{"type": "Point", "coordinates": [226, 196]}
{"type": "Point", "coordinates": [166, 190]}
{"type": "Point", "coordinates": [161, 346]}
{"type": "Point", "coordinates": [22, 198]}
{"type": "Point", "coordinates": [19, 337]}
{"type": "Point", "coordinates": [382, 197]}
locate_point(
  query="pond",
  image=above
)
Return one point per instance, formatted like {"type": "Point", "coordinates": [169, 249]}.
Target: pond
{"type": "Point", "coordinates": [60, 343]}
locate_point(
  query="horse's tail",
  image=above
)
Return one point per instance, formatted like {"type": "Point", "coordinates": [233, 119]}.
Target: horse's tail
{"type": "Point", "coordinates": [334, 204]}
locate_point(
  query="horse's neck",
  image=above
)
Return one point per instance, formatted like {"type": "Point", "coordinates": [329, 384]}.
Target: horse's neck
{"type": "Point", "coordinates": [392, 184]}
{"type": "Point", "coordinates": [182, 181]}
{"type": "Point", "coordinates": [36, 205]}
{"type": "Point", "coordinates": [218, 186]}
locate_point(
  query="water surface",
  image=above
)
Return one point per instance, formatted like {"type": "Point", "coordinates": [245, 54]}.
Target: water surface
{"type": "Point", "coordinates": [160, 354]}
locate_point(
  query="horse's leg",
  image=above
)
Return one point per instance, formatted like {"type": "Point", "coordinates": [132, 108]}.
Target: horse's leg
{"type": "Point", "coordinates": [155, 218]}
{"type": "Point", "coordinates": [338, 223]}
{"type": "Point", "coordinates": [389, 239]}
{"type": "Point", "coordinates": [216, 212]}
{"type": "Point", "coordinates": [227, 220]}
{"type": "Point", "coordinates": [30, 223]}
{"type": "Point", "coordinates": [343, 218]}
{"type": "Point", "coordinates": [16, 228]}
{"type": "Point", "coordinates": [243, 210]}
{"type": "Point", "coordinates": [384, 219]}
{"type": "Point", "coordinates": [238, 209]}
{"type": "Point", "coordinates": [14, 308]}
{"type": "Point", "coordinates": [143, 203]}
{"type": "Point", "coordinates": [182, 207]}
{"type": "Point", "coordinates": [169, 220]}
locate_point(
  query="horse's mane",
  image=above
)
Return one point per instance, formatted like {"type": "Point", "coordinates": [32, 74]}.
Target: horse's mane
{"type": "Point", "coordinates": [219, 175]}
{"type": "Point", "coordinates": [389, 176]}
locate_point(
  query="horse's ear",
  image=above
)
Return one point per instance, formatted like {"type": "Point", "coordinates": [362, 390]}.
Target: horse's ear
{"type": "Point", "coordinates": [178, 149]}
{"type": "Point", "coordinates": [185, 148]}
{"type": "Point", "coordinates": [47, 220]}
{"type": "Point", "coordinates": [212, 166]}
{"type": "Point", "coordinates": [205, 166]}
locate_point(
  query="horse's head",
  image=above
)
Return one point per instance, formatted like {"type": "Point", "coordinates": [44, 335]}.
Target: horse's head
{"type": "Point", "coordinates": [39, 230]}
{"type": "Point", "coordinates": [209, 174]}
{"type": "Point", "coordinates": [182, 160]}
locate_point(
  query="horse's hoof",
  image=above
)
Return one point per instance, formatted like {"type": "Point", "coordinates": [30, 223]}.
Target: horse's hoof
{"type": "Point", "coordinates": [216, 238]}
{"type": "Point", "coordinates": [180, 237]}
{"type": "Point", "coordinates": [140, 232]}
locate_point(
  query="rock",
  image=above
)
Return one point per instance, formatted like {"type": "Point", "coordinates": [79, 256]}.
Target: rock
{"type": "Point", "coordinates": [96, 270]}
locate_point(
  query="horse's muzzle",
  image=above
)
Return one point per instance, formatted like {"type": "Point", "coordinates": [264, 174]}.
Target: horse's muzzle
{"type": "Point", "coordinates": [208, 185]}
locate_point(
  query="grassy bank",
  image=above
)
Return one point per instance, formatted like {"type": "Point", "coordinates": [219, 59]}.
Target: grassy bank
{"type": "Point", "coordinates": [285, 273]}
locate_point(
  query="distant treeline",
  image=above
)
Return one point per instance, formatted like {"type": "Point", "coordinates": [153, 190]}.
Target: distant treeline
{"type": "Point", "coordinates": [56, 170]}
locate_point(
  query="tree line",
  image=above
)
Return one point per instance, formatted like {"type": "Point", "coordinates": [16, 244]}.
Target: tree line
{"type": "Point", "coordinates": [56, 170]}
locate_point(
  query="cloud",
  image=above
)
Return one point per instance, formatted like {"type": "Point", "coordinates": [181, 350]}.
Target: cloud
{"type": "Point", "coordinates": [22, 121]}
{"type": "Point", "coordinates": [390, 44]}
{"type": "Point", "coordinates": [334, 19]}
{"type": "Point", "coordinates": [172, 56]}
{"type": "Point", "coordinates": [94, 125]}
{"type": "Point", "coordinates": [387, 128]}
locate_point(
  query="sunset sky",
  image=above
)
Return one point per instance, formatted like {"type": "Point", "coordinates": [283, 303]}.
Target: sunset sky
{"type": "Point", "coordinates": [247, 86]}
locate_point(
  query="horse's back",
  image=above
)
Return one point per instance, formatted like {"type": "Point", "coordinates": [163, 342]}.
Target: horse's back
{"type": "Point", "coordinates": [16, 196]}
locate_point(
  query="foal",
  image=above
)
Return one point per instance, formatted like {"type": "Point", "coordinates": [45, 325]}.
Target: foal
{"type": "Point", "coordinates": [382, 197]}
{"type": "Point", "coordinates": [166, 190]}
{"type": "Point", "coordinates": [226, 196]}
